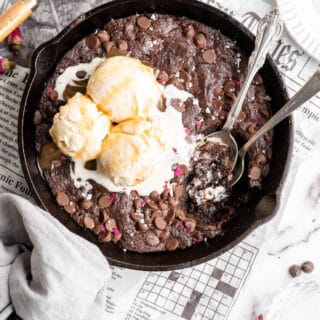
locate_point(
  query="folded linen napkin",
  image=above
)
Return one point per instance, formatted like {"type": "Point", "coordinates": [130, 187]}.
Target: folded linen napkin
{"type": "Point", "coordinates": [47, 272]}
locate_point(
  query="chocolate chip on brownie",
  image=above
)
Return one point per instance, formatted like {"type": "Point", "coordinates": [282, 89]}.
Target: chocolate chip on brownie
{"type": "Point", "coordinates": [104, 201]}
{"type": "Point", "coordinates": [200, 40]}
{"type": "Point", "coordinates": [93, 42]}
{"type": "Point", "coordinates": [152, 240]}
{"type": "Point", "coordinates": [160, 223]}
{"type": "Point", "coordinates": [143, 22]}
{"type": "Point", "coordinates": [103, 35]}
{"type": "Point", "coordinates": [189, 32]}
{"type": "Point", "coordinates": [88, 222]}
{"type": "Point", "coordinates": [110, 224]}
{"type": "Point", "coordinates": [62, 199]}
{"type": "Point", "coordinates": [209, 56]}
{"type": "Point", "coordinates": [81, 74]}
{"type": "Point", "coordinates": [171, 244]}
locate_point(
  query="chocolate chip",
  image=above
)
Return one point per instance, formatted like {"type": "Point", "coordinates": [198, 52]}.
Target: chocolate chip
{"type": "Point", "coordinates": [165, 193]}
{"type": "Point", "coordinates": [152, 240]}
{"type": "Point", "coordinates": [162, 77]}
{"type": "Point", "coordinates": [264, 112]}
{"type": "Point", "coordinates": [103, 36]}
{"type": "Point", "coordinates": [53, 95]}
{"type": "Point", "coordinates": [85, 204]}
{"type": "Point", "coordinates": [259, 97]}
{"type": "Point", "coordinates": [152, 205]}
{"type": "Point", "coordinates": [156, 214]}
{"type": "Point", "coordinates": [81, 74]}
{"type": "Point", "coordinates": [255, 173]}
{"type": "Point", "coordinates": [178, 190]}
{"type": "Point", "coordinates": [190, 224]}
{"type": "Point", "coordinates": [70, 208]}
{"type": "Point", "coordinates": [62, 199]}
{"type": "Point", "coordinates": [103, 216]}
{"type": "Point", "coordinates": [88, 222]}
{"type": "Point", "coordinates": [111, 224]}
{"type": "Point", "coordinates": [189, 32]}
{"type": "Point", "coordinates": [163, 235]}
{"type": "Point", "coordinates": [93, 42]}
{"type": "Point", "coordinates": [154, 196]}
{"type": "Point", "coordinates": [171, 244]}
{"type": "Point", "coordinates": [96, 230]}
{"type": "Point", "coordinates": [257, 80]}
{"type": "Point", "coordinates": [242, 116]}
{"type": "Point", "coordinates": [137, 203]}
{"type": "Point", "coordinates": [105, 236]}
{"type": "Point", "coordinates": [143, 22]}
{"type": "Point", "coordinates": [104, 201]}
{"type": "Point", "coordinates": [122, 45]}
{"type": "Point", "coordinates": [209, 56]}
{"type": "Point", "coordinates": [307, 266]}
{"type": "Point", "coordinates": [261, 159]}
{"type": "Point", "coordinates": [222, 115]}
{"type": "Point", "coordinates": [251, 129]}
{"type": "Point", "coordinates": [141, 226]}
{"type": "Point", "coordinates": [229, 87]}
{"type": "Point", "coordinates": [200, 40]}
{"type": "Point", "coordinates": [37, 118]}
{"type": "Point", "coordinates": [173, 201]}
{"type": "Point", "coordinates": [180, 214]}
{"type": "Point", "coordinates": [135, 216]}
{"type": "Point", "coordinates": [295, 271]}
{"type": "Point", "coordinates": [218, 91]}
{"type": "Point", "coordinates": [160, 223]}
{"type": "Point", "coordinates": [170, 216]}
{"type": "Point", "coordinates": [107, 45]}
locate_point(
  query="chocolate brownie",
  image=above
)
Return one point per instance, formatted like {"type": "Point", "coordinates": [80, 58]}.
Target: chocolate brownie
{"type": "Point", "coordinates": [198, 201]}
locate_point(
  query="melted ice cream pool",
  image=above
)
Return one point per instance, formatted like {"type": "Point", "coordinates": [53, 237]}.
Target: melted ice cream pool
{"type": "Point", "coordinates": [177, 149]}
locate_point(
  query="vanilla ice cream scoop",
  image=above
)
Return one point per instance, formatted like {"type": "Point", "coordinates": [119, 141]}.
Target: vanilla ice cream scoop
{"type": "Point", "coordinates": [130, 151]}
{"type": "Point", "coordinates": [124, 88]}
{"type": "Point", "coordinates": [79, 128]}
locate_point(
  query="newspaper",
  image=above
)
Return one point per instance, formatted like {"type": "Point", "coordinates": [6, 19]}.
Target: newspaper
{"type": "Point", "coordinates": [207, 291]}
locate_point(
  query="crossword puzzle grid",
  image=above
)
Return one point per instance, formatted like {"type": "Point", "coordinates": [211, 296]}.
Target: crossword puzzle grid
{"type": "Point", "coordinates": [203, 292]}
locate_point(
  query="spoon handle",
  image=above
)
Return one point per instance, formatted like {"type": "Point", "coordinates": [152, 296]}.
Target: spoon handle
{"type": "Point", "coordinates": [269, 31]}
{"type": "Point", "coordinates": [311, 87]}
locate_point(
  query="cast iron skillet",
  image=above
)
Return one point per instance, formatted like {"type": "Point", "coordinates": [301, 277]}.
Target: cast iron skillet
{"type": "Point", "coordinates": [249, 217]}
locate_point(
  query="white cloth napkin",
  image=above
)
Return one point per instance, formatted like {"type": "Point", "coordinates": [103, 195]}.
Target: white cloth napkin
{"type": "Point", "coordinates": [47, 272]}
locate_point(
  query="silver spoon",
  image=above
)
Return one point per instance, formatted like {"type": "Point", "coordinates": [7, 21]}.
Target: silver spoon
{"type": "Point", "coordinates": [269, 31]}
{"type": "Point", "coordinates": [311, 87]}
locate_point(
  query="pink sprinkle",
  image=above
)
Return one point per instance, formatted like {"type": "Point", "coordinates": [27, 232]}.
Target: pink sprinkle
{"type": "Point", "coordinates": [174, 150]}
{"type": "Point", "coordinates": [257, 122]}
{"type": "Point", "coordinates": [50, 89]}
{"type": "Point", "coordinates": [102, 228]}
{"type": "Point", "coordinates": [133, 192]}
{"type": "Point", "coordinates": [187, 131]}
{"type": "Point", "coordinates": [165, 186]}
{"type": "Point", "coordinates": [112, 196]}
{"type": "Point", "coordinates": [199, 240]}
{"type": "Point", "coordinates": [198, 124]}
{"type": "Point", "coordinates": [178, 172]}
{"type": "Point", "coordinates": [116, 231]}
{"type": "Point", "coordinates": [15, 36]}
{"type": "Point", "coordinates": [143, 203]}
{"type": "Point", "coordinates": [237, 83]}
{"type": "Point", "coordinates": [161, 81]}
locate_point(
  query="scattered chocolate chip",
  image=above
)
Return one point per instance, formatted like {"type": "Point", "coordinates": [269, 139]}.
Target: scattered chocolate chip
{"type": "Point", "coordinates": [110, 224]}
{"type": "Point", "coordinates": [180, 214]}
{"type": "Point", "coordinates": [53, 95]}
{"type": "Point", "coordinates": [107, 45]}
{"type": "Point", "coordinates": [152, 240]}
{"type": "Point", "coordinates": [295, 271]}
{"type": "Point", "coordinates": [62, 199]}
{"type": "Point", "coordinates": [143, 22]}
{"type": "Point", "coordinates": [37, 118]}
{"type": "Point", "coordinates": [257, 80]}
{"type": "Point", "coordinates": [259, 97]}
{"type": "Point", "coordinates": [170, 216]}
{"type": "Point", "coordinates": [154, 196]}
{"type": "Point", "coordinates": [103, 216]}
{"type": "Point", "coordinates": [163, 235]}
{"type": "Point", "coordinates": [209, 56]}
{"type": "Point", "coordinates": [103, 36]}
{"type": "Point", "coordinates": [307, 266]}
{"type": "Point", "coordinates": [122, 45]}
{"type": "Point", "coordinates": [137, 203]}
{"type": "Point", "coordinates": [136, 216]}
{"type": "Point", "coordinates": [190, 224]}
{"type": "Point", "coordinates": [255, 173]}
{"type": "Point", "coordinates": [81, 74]}
{"type": "Point", "coordinates": [189, 31]}
{"type": "Point", "coordinates": [88, 222]}
{"type": "Point", "coordinates": [155, 214]}
{"type": "Point", "coordinates": [165, 194]}
{"type": "Point", "coordinates": [251, 129]}
{"type": "Point", "coordinates": [178, 190]}
{"type": "Point", "coordinates": [105, 236]}
{"type": "Point", "coordinates": [70, 208]}
{"type": "Point", "coordinates": [93, 42]}
{"type": "Point", "coordinates": [85, 204]}
{"type": "Point", "coordinates": [218, 91]}
{"type": "Point", "coordinates": [171, 244]}
{"type": "Point", "coordinates": [162, 77]}
{"type": "Point", "coordinates": [222, 115]}
{"type": "Point", "coordinates": [173, 201]}
{"type": "Point", "coordinates": [162, 205]}
{"type": "Point", "coordinates": [152, 205]}
{"type": "Point", "coordinates": [200, 40]}
{"type": "Point", "coordinates": [141, 226]}
{"type": "Point", "coordinates": [261, 159]}
{"type": "Point", "coordinates": [264, 112]}
{"type": "Point", "coordinates": [160, 223]}
{"type": "Point", "coordinates": [96, 230]}
{"type": "Point", "coordinates": [242, 116]}
{"type": "Point", "coordinates": [104, 201]}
